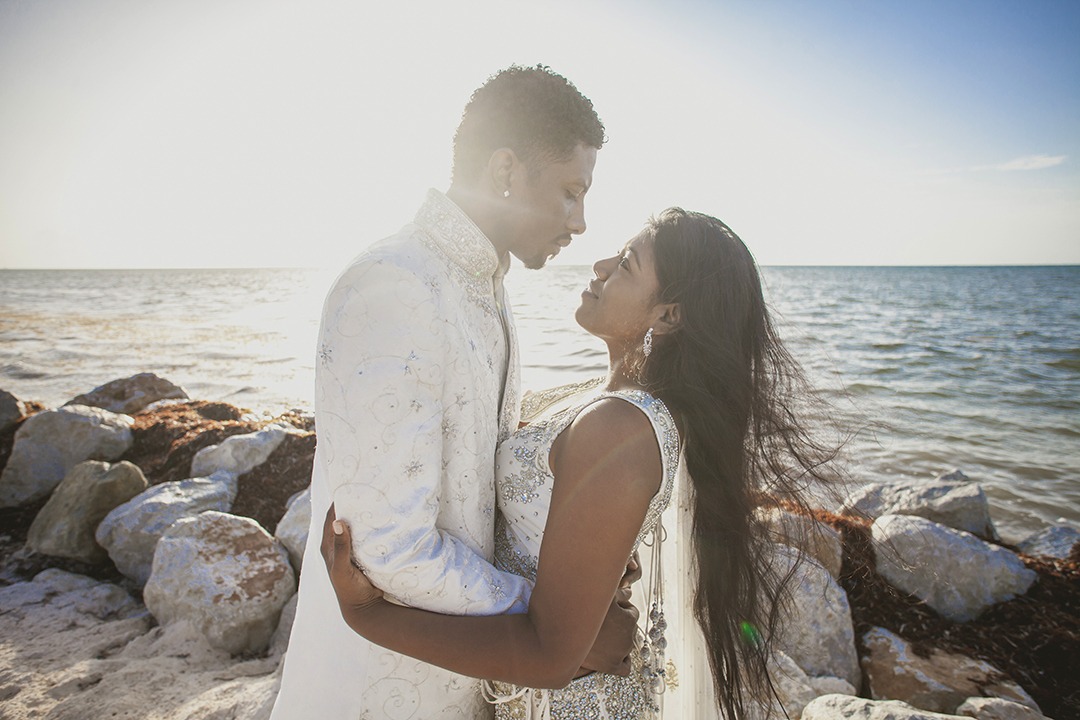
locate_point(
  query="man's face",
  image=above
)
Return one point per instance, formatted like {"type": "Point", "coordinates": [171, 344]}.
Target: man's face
{"type": "Point", "coordinates": [549, 209]}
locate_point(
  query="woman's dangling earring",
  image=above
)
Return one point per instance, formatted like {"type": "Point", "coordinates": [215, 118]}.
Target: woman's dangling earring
{"type": "Point", "coordinates": [647, 346]}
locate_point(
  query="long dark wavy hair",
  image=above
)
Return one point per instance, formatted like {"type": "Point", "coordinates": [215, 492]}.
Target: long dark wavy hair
{"type": "Point", "coordinates": [726, 375]}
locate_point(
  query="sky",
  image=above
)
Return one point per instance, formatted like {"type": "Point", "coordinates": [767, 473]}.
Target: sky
{"type": "Point", "coordinates": [267, 133]}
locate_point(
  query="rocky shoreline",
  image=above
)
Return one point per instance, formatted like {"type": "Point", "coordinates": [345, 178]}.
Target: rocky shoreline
{"type": "Point", "coordinates": [150, 546]}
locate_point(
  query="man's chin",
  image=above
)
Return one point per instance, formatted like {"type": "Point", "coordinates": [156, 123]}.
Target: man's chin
{"type": "Point", "coordinates": [535, 263]}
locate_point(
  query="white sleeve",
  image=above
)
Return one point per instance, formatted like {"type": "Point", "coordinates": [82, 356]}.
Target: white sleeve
{"type": "Point", "coordinates": [379, 412]}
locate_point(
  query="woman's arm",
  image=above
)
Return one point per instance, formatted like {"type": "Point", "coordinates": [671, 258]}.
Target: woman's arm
{"type": "Point", "coordinates": [607, 468]}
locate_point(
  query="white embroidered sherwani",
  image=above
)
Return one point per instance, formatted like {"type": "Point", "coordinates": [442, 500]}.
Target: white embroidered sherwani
{"type": "Point", "coordinates": [416, 384]}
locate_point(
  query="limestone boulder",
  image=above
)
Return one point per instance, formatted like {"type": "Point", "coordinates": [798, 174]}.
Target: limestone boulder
{"type": "Point", "coordinates": [842, 707]}
{"type": "Point", "coordinates": [951, 500]}
{"type": "Point", "coordinates": [984, 708]}
{"type": "Point", "coordinates": [817, 632]}
{"type": "Point", "coordinates": [50, 443]}
{"type": "Point", "coordinates": [956, 573]}
{"type": "Point", "coordinates": [822, 542]}
{"type": "Point", "coordinates": [131, 531]}
{"type": "Point", "coordinates": [70, 593]}
{"type": "Point", "coordinates": [826, 685]}
{"type": "Point", "coordinates": [11, 410]}
{"type": "Point", "coordinates": [1056, 541]}
{"type": "Point", "coordinates": [792, 685]}
{"type": "Point", "coordinates": [292, 529]}
{"type": "Point", "coordinates": [939, 682]}
{"type": "Point", "coordinates": [225, 575]}
{"type": "Point", "coordinates": [279, 641]}
{"type": "Point", "coordinates": [239, 454]}
{"type": "Point", "coordinates": [131, 395]}
{"type": "Point", "coordinates": [65, 526]}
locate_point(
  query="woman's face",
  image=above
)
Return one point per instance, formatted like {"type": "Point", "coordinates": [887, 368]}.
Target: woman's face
{"type": "Point", "coordinates": [620, 303]}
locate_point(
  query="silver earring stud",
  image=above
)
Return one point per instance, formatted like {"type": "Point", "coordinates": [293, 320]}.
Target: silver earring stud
{"type": "Point", "coordinates": [647, 346]}
{"type": "Point", "coordinates": [506, 193]}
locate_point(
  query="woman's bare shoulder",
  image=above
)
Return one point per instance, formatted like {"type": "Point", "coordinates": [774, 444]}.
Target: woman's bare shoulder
{"type": "Point", "coordinates": [611, 440]}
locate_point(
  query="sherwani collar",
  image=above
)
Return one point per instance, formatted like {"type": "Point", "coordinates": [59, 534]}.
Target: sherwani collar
{"type": "Point", "coordinates": [453, 234]}
{"type": "Point", "coordinates": [458, 238]}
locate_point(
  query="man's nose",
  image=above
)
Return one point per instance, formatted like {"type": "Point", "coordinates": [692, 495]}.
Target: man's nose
{"type": "Point", "coordinates": [577, 225]}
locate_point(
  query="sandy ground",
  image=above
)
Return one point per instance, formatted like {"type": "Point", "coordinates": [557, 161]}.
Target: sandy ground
{"type": "Point", "coordinates": [78, 649]}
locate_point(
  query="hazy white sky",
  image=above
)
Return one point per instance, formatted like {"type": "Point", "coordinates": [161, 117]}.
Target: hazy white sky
{"type": "Point", "coordinates": [202, 133]}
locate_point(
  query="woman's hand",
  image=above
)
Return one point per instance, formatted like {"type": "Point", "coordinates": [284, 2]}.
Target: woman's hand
{"type": "Point", "coordinates": [354, 591]}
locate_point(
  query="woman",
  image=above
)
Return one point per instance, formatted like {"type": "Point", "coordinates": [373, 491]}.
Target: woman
{"type": "Point", "coordinates": [697, 374]}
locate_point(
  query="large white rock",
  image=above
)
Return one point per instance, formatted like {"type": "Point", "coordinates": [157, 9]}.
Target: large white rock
{"type": "Point", "coordinates": [841, 707]}
{"type": "Point", "coordinates": [279, 641]}
{"type": "Point", "coordinates": [817, 632]}
{"type": "Point", "coordinates": [62, 590]}
{"type": "Point", "coordinates": [831, 686]}
{"type": "Point", "coordinates": [956, 573]}
{"type": "Point", "coordinates": [11, 410]}
{"type": "Point", "coordinates": [238, 454]}
{"type": "Point", "coordinates": [939, 682]}
{"type": "Point", "coordinates": [131, 531]}
{"type": "Point", "coordinates": [292, 529]}
{"type": "Point", "coordinates": [792, 685]}
{"type": "Point", "coordinates": [951, 500]}
{"type": "Point", "coordinates": [50, 443]}
{"type": "Point", "coordinates": [1056, 541]}
{"type": "Point", "coordinates": [822, 542]}
{"type": "Point", "coordinates": [65, 526]}
{"type": "Point", "coordinates": [131, 395]}
{"type": "Point", "coordinates": [225, 575]}
{"type": "Point", "coordinates": [984, 708]}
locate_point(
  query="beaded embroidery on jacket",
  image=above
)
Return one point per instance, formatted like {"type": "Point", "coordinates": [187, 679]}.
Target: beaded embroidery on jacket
{"type": "Point", "coordinates": [524, 484]}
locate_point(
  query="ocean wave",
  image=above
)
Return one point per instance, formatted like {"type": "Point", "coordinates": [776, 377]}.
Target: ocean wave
{"type": "Point", "coordinates": [19, 371]}
{"type": "Point", "coordinates": [1066, 363]}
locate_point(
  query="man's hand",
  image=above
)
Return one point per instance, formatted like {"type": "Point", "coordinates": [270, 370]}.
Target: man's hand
{"type": "Point", "coordinates": [354, 591]}
{"type": "Point", "coordinates": [610, 652]}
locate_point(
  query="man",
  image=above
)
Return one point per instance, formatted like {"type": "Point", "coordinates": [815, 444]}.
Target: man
{"type": "Point", "coordinates": [416, 385]}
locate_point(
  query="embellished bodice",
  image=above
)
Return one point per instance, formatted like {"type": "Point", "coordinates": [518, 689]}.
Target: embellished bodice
{"type": "Point", "coordinates": [524, 481]}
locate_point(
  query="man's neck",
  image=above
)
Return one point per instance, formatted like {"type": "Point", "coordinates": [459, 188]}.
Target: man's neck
{"type": "Point", "coordinates": [480, 210]}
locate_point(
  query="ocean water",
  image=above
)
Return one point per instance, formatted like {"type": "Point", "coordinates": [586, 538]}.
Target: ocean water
{"type": "Point", "coordinates": [935, 368]}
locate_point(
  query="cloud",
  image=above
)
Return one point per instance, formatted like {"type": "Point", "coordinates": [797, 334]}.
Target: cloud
{"type": "Point", "coordinates": [1030, 162]}
{"type": "Point", "coordinates": [1027, 162]}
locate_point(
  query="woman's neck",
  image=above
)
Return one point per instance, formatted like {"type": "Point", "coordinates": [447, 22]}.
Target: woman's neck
{"type": "Point", "coordinates": [620, 376]}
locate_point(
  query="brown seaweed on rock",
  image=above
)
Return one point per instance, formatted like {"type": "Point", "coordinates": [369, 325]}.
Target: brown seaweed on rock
{"type": "Point", "coordinates": [167, 438]}
{"type": "Point", "coordinates": [265, 490]}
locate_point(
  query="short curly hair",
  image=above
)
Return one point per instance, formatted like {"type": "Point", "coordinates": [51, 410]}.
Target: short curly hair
{"type": "Point", "coordinates": [534, 111]}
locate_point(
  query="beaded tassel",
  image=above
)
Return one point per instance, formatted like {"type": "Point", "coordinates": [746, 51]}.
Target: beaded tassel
{"type": "Point", "coordinates": [654, 644]}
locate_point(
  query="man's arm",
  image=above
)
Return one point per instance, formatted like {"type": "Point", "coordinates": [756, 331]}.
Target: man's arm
{"type": "Point", "coordinates": [379, 417]}
{"type": "Point", "coordinates": [598, 505]}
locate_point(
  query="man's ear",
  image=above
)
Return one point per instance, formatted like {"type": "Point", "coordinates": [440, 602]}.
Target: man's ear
{"type": "Point", "coordinates": [669, 319]}
{"type": "Point", "coordinates": [500, 170]}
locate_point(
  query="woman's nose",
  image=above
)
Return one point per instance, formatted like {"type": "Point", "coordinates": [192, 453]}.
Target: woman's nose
{"type": "Point", "coordinates": [599, 270]}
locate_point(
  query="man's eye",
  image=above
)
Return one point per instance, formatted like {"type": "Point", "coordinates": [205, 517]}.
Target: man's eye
{"type": "Point", "coordinates": [624, 261]}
